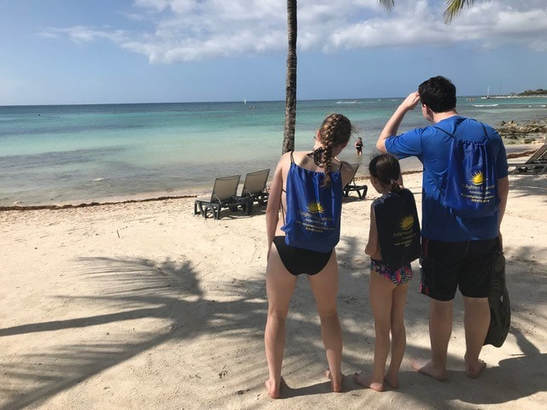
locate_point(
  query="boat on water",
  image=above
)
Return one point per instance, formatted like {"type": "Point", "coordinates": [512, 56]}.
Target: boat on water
{"type": "Point", "coordinates": [487, 96]}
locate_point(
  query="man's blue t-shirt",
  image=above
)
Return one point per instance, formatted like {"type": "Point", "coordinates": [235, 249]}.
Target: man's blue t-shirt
{"type": "Point", "coordinates": [432, 147]}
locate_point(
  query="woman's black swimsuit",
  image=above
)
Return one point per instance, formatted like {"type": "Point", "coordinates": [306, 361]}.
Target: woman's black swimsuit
{"type": "Point", "coordinates": [299, 260]}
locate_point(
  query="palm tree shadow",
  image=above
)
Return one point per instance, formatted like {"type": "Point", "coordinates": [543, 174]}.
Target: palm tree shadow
{"type": "Point", "coordinates": [136, 288]}
{"type": "Point", "coordinates": [172, 293]}
{"type": "Point", "coordinates": [142, 289]}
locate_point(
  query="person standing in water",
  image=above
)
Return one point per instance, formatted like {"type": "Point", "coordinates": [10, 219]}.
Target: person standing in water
{"type": "Point", "coordinates": [307, 189]}
{"type": "Point", "coordinates": [359, 146]}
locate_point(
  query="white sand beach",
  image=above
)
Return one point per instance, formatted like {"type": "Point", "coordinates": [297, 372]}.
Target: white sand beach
{"type": "Point", "coordinates": [144, 305]}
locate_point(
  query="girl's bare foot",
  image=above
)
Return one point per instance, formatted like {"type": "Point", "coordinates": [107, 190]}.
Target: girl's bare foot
{"type": "Point", "coordinates": [426, 367]}
{"type": "Point", "coordinates": [392, 380]}
{"type": "Point", "coordinates": [474, 370]}
{"type": "Point", "coordinates": [360, 379]}
{"type": "Point", "coordinates": [272, 389]}
{"type": "Point", "coordinates": [336, 385]}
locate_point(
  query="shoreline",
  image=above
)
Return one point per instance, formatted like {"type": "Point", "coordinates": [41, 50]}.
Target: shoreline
{"type": "Point", "coordinates": [409, 169]}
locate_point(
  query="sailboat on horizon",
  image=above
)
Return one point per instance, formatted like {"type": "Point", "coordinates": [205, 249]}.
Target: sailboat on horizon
{"type": "Point", "coordinates": [487, 97]}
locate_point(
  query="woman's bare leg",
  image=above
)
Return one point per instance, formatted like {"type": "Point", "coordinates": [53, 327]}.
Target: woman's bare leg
{"type": "Point", "coordinates": [325, 289]}
{"type": "Point", "coordinates": [398, 334]}
{"type": "Point", "coordinates": [279, 288]}
{"type": "Point", "coordinates": [380, 296]}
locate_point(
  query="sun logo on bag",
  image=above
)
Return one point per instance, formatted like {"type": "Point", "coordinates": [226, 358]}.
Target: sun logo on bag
{"type": "Point", "coordinates": [478, 178]}
{"type": "Point", "coordinates": [315, 208]}
{"type": "Point", "coordinates": [407, 222]}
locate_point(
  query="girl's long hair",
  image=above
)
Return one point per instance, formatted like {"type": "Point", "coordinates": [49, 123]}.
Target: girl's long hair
{"type": "Point", "coordinates": [335, 130]}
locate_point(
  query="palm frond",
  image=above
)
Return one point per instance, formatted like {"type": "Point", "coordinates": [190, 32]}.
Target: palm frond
{"type": "Point", "coordinates": [388, 4]}
{"type": "Point", "coordinates": [453, 8]}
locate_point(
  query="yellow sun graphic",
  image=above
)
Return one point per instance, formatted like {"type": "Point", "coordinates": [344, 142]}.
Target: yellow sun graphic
{"type": "Point", "coordinates": [407, 222]}
{"type": "Point", "coordinates": [315, 208]}
{"type": "Point", "coordinates": [478, 178]}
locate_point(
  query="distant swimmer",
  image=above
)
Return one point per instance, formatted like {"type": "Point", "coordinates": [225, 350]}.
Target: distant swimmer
{"type": "Point", "coordinates": [359, 146]}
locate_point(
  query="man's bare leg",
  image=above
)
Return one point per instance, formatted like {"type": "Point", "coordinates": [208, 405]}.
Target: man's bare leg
{"type": "Point", "coordinates": [440, 328]}
{"type": "Point", "coordinates": [476, 322]}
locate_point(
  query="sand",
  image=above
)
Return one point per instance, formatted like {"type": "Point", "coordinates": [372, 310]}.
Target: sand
{"type": "Point", "coordinates": [144, 305]}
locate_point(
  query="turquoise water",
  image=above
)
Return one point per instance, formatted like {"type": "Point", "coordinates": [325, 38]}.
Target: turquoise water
{"type": "Point", "coordinates": [58, 154]}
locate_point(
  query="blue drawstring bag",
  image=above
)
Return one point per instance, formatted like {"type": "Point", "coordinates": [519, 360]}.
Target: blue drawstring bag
{"type": "Point", "coordinates": [313, 211]}
{"type": "Point", "coordinates": [470, 184]}
{"type": "Point", "coordinates": [398, 228]}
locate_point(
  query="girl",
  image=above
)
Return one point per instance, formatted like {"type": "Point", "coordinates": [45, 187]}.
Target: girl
{"type": "Point", "coordinates": [307, 188]}
{"type": "Point", "coordinates": [394, 241]}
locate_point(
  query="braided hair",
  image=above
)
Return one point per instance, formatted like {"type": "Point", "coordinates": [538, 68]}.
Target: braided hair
{"type": "Point", "coordinates": [386, 169]}
{"type": "Point", "coordinates": [335, 130]}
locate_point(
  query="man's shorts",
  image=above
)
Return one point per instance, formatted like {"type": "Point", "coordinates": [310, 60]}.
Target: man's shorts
{"type": "Point", "coordinates": [449, 265]}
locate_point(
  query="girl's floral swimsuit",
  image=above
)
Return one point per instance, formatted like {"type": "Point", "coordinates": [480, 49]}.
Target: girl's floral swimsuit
{"type": "Point", "coordinates": [398, 277]}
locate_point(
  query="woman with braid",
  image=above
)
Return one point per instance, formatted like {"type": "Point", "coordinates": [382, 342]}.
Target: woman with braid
{"type": "Point", "coordinates": [307, 189]}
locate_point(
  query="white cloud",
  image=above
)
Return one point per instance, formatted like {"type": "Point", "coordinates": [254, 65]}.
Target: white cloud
{"type": "Point", "coordinates": [188, 30]}
{"type": "Point", "coordinates": [83, 34]}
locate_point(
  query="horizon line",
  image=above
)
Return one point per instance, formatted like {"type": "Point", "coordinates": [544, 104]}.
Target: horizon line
{"type": "Point", "coordinates": [236, 101]}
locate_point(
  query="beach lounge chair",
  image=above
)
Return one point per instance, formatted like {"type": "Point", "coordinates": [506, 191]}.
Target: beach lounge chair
{"type": "Point", "coordinates": [536, 164]}
{"type": "Point", "coordinates": [352, 185]}
{"type": "Point", "coordinates": [223, 196]}
{"type": "Point", "coordinates": [254, 186]}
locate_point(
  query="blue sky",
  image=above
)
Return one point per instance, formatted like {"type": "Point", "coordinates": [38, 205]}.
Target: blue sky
{"type": "Point", "coordinates": [65, 51]}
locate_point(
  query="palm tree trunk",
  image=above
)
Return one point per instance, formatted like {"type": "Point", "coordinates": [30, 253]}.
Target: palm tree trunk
{"type": "Point", "coordinates": [290, 91]}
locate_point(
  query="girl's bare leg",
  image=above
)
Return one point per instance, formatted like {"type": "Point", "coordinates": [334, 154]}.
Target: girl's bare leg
{"type": "Point", "coordinates": [325, 288]}
{"type": "Point", "coordinates": [398, 334]}
{"type": "Point", "coordinates": [381, 290]}
{"type": "Point", "coordinates": [279, 288]}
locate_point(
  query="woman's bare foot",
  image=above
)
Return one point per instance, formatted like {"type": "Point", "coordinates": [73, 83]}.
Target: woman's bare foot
{"type": "Point", "coordinates": [336, 385]}
{"type": "Point", "coordinates": [474, 370]}
{"type": "Point", "coordinates": [273, 390]}
{"type": "Point", "coordinates": [392, 380]}
{"type": "Point", "coordinates": [360, 379]}
{"type": "Point", "coordinates": [426, 367]}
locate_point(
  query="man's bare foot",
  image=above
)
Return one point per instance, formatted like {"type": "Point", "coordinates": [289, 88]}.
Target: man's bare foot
{"type": "Point", "coordinates": [426, 367]}
{"type": "Point", "coordinates": [392, 380]}
{"type": "Point", "coordinates": [336, 386]}
{"type": "Point", "coordinates": [272, 389]}
{"type": "Point", "coordinates": [360, 379]}
{"type": "Point", "coordinates": [474, 370]}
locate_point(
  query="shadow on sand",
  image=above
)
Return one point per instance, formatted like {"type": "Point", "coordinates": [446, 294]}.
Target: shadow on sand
{"type": "Point", "coordinates": [139, 288]}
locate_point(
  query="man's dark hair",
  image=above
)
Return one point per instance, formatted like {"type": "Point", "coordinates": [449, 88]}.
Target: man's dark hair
{"type": "Point", "coordinates": [438, 93]}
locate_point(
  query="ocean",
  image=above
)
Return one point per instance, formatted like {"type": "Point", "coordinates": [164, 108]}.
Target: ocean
{"type": "Point", "coordinates": [81, 153]}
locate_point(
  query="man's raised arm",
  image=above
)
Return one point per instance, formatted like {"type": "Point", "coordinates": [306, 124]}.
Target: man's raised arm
{"type": "Point", "coordinates": [393, 123]}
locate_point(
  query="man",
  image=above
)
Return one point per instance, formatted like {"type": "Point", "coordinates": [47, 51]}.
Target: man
{"type": "Point", "coordinates": [457, 251]}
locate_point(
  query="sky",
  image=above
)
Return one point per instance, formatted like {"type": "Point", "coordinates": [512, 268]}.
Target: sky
{"type": "Point", "coordinates": [105, 51]}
